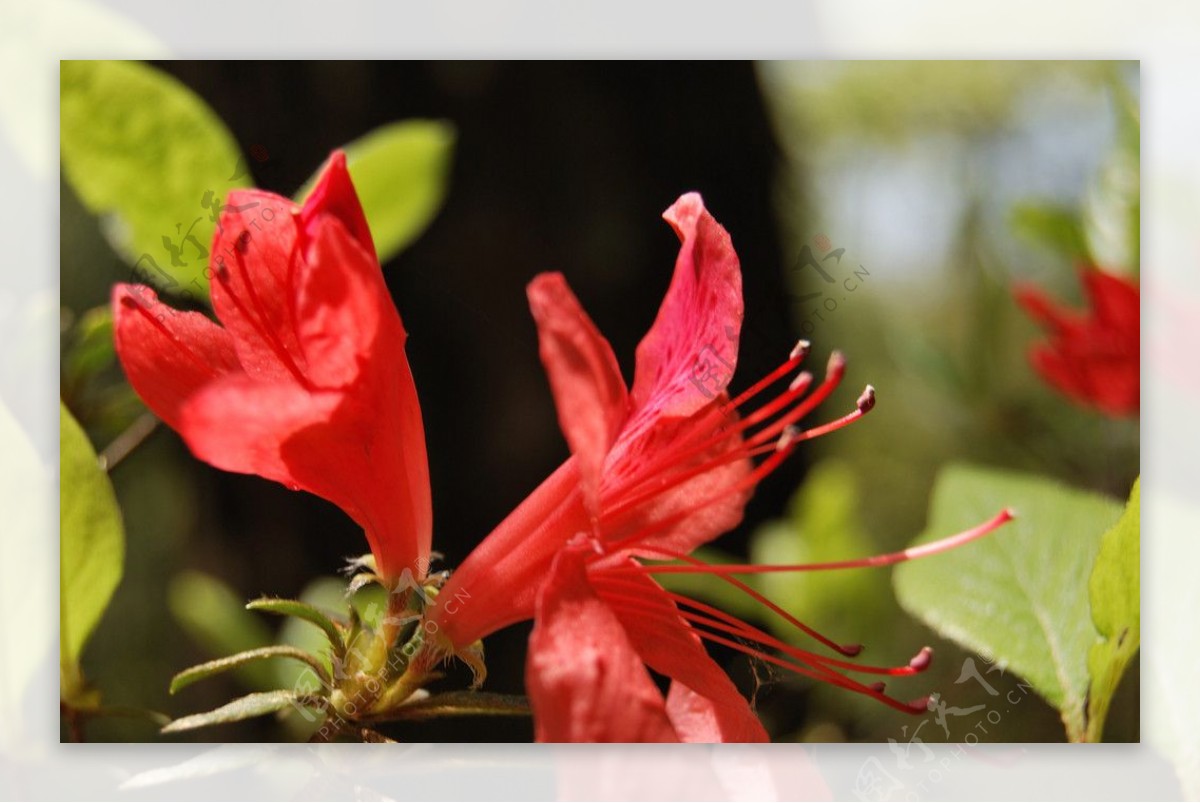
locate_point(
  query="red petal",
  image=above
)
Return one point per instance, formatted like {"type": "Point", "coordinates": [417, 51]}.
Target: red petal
{"type": "Point", "coordinates": [321, 442]}
{"type": "Point", "coordinates": [670, 647]}
{"type": "Point", "coordinates": [502, 575]}
{"type": "Point", "coordinates": [255, 262]}
{"type": "Point", "coordinates": [690, 352]}
{"type": "Point", "coordinates": [585, 682]}
{"type": "Point", "coordinates": [334, 196]}
{"type": "Point", "coordinates": [1116, 302]}
{"type": "Point", "coordinates": [168, 355]}
{"type": "Point", "coordinates": [344, 313]}
{"type": "Point", "coordinates": [589, 392]}
{"type": "Point", "coordinates": [649, 458]}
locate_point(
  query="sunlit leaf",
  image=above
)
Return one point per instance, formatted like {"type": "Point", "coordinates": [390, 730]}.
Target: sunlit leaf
{"type": "Point", "coordinates": [248, 707]}
{"type": "Point", "coordinates": [148, 155]}
{"type": "Point", "coordinates": [92, 548]}
{"type": "Point", "coordinates": [1115, 592]}
{"type": "Point", "coordinates": [400, 172]}
{"type": "Point", "coordinates": [1020, 594]}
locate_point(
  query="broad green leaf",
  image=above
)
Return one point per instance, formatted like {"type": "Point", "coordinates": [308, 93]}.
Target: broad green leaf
{"type": "Point", "coordinates": [92, 547]}
{"type": "Point", "coordinates": [1056, 227]}
{"type": "Point", "coordinates": [1020, 594]}
{"type": "Point", "coordinates": [206, 670]}
{"type": "Point", "coordinates": [217, 619]}
{"type": "Point", "coordinates": [463, 704]}
{"type": "Point", "coordinates": [149, 156]}
{"type": "Point", "coordinates": [248, 707]}
{"type": "Point", "coordinates": [1115, 592]}
{"type": "Point", "coordinates": [823, 526]}
{"type": "Point", "coordinates": [400, 172]}
{"type": "Point", "coordinates": [301, 610]}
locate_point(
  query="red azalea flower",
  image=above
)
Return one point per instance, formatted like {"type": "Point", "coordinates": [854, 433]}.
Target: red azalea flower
{"type": "Point", "coordinates": [656, 472]}
{"type": "Point", "coordinates": [1093, 356]}
{"type": "Point", "coordinates": [305, 381]}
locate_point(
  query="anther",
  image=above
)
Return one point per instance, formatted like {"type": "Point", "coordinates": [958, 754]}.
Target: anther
{"type": "Point", "coordinates": [866, 401]}
{"type": "Point", "coordinates": [836, 365]}
{"type": "Point", "coordinates": [801, 350]}
{"type": "Point", "coordinates": [789, 434]}
{"type": "Point", "coordinates": [921, 660]}
{"type": "Point", "coordinates": [802, 380]}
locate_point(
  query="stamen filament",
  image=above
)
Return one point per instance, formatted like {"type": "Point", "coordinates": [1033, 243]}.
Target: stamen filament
{"type": "Point", "coordinates": [922, 551]}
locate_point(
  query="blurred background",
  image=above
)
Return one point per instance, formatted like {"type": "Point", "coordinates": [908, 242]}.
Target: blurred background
{"type": "Point", "coordinates": [941, 183]}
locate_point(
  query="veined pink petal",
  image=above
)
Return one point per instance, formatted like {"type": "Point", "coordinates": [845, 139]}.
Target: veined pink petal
{"type": "Point", "coordinates": [699, 322]}
{"type": "Point", "coordinates": [589, 392]}
{"type": "Point", "coordinates": [582, 669]}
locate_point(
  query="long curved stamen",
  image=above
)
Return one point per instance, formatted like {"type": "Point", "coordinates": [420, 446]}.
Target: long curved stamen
{"type": "Point", "coordinates": [782, 451]}
{"type": "Point", "coordinates": [639, 606]}
{"type": "Point", "coordinates": [911, 553]}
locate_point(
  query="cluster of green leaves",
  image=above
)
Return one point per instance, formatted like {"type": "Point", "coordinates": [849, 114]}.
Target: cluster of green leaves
{"type": "Point", "coordinates": [1053, 596]}
{"type": "Point", "coordinates": [150, 157]}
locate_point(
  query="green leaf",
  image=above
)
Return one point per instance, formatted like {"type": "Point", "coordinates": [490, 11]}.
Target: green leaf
{"type": "Point", "coordinates": [206, 670]}
{"type": "Point", "coordinates": [1055, 227]}
{"type": "Point", "coordinates": [147, 154]}
{"type": "Point", "coordinates": [217, 619]}
{"type": "Point", "coordinates": [91, 350]}
{"type": "Point", "coordinates": [1115, 593]}
{"type": "Point", "coordinates": [324, 594]}
{"type": "Point", "coordinates": [463, 704]}
{"type": "Point", "coordinates": [1021, 594]}
{"type": "Point", "coordinates": [400, 171]}
{"type": "Point", "coordinates": [301, 610]}
{"type": "Point", "coordinates": [92, 541]}
{"type": "Point", "coordinates": [248, 707]}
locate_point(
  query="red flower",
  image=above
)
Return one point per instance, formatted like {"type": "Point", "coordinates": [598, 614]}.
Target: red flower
{"type": "Point", "coordinates": [306, 381]}
{"type": "Point", "coordinates": [656, 471]}
{"type": "Point", "coordinates": [1093, 356]}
